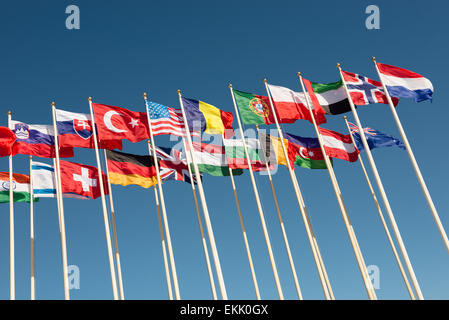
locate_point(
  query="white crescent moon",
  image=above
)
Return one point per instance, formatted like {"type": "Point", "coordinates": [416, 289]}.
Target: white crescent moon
{"type": "Point", "coordinates": [107, 121]}
{"type": "Point", "coordinates": [300, 152]}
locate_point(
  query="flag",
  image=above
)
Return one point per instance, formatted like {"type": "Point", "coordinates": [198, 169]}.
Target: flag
{"type": "Point", "coordinates": [291, 106]}
{"type": "Point", "coordinates": [75, 130]}
{"type": "Point", "coordinates": [118, 123]}
{"type": "Point", "coordinates": [305, 152]}
{"type": "Point", "coordinates": [402, 83]}
{"type": "Point", "coordinates": [36, 140]}
{"type": "Point", "coordinates": [338, 145]}
{"type": "Point", "coordinates": [253, 108]}
{"type": "Point", "coordinates": [365, 91]}
{"type": "Point", "coordinates": [81, 179]}
{"type": "Point", "coordinates": [211, 159]}
{"type": "Point", "coordinates": [44, 182]}
{"type": "Point", "coordinates": [332, 97]}
{"type": "Point", "coordinates": [273, 149]}
{"type": "Point", "coordinates": [165, 120]}
{"type": "Point", "coordinates": [21, 187]}
{"type": "Point", "coordinates": [236, 158]}
{"type": "Point", "coordinates": [202, 116]}
{"type": "Point", "coordinates": [126, 169]}
{"type": "Point", "coordinates": [375, 138]}
{"type": "Point", "coordinates": [7, 139]}
{"type": "Point", "coordinates": [173, 165]}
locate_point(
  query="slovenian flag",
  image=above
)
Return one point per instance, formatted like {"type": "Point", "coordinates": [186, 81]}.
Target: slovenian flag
{"type": "Point", "coordinates": [402, 83]}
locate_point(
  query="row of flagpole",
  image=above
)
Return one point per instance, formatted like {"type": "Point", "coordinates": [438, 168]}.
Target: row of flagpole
{"type": "Point", "coordinates": [165, 233]}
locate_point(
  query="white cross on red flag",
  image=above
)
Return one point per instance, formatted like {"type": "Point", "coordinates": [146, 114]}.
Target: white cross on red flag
{"type": "Point", "coordinates": [81, 179]}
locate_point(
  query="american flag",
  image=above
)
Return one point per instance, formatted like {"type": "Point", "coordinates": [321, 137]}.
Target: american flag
{"type": "Point", "coordinates": [165, 120]}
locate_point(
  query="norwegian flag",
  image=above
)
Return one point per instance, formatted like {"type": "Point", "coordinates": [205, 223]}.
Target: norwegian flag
{"type": "Point", "coordinates": [173, 165]}
{"type": "Point", "coordinates": [365, 91]}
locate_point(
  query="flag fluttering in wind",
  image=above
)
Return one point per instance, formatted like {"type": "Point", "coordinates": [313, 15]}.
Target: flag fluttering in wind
{"type": "Point", "coordinates": [20, 187]}
{"type": "Point", "coordinates": [332, 97]}
{"type": "Point", "coordinates": [75, 130]}
{"type": "Point", "coordinates": [236, 158]}
{"type": "Point", "coordinates": [375, 138]}
{"type": "Point", "coordinates": [165, 120]}
{"type": "Point", "coordinates": [403, 83]}
{"type": "Point", "coordinates": [7, 139]}
{"type": "Point", "coordinates": [119, 123]}
{"type": "Point", "coordinates": [36, 140]}
{"type": "Point", "coordinates": [126, 169]}
{"type": "Point", "coordinates": [337, 145]}
{"type": "Point", "coordinates": [273, 149]}
{"type": "Point", "coordinates": [253, 108]}
{"type": "Point", "coordinates": [305, 152]}
{"type": "Point", "coordinates": [173, 165]}
{"type": "Point", "coordinates": [291, 106]}
{"type": "Point", "coordinates": [365, 91]}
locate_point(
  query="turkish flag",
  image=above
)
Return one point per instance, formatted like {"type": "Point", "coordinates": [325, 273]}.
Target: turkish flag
{"type": "Point", "coordinates": [118, 123]}
{"type": "Point", "coordinates": [81, 179]}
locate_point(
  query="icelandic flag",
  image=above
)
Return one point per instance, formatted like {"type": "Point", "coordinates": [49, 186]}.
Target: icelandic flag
{"type": "Point", "coordinates": [36, 140]}
{"type": "Point", "coordinates": [75, 130]}
{"type": "Point", "coordinates": [402, 83]}
{"type": "Point", "coordinates": [375, 139]}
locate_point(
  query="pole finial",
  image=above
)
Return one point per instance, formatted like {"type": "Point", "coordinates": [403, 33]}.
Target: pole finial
{"type": "Point", "coordinates": [338, 65]}
{"type": "Point", "coordinates": [8, 113]}
{"type": "Point", "coordinates": [230, 85]}
{"type": "Point", "coordinates": [345, 117]}
{"type": "Point", "coordinates": [31, 157]}
{"type": "Point", "coordinates": [90, 99]}
{"type": "Point", "coordinates": [179, 91]}
{"type": "Point", "coordinates": [299, 74]}
{"type": "Point", "coordinates": [265, 80]}
{"type": "Point", "coordinates": [373, 58]}
{"type": "Point", "coordinates": [52, 103]}
{"type": "Point", "coordinates": [145, 95]}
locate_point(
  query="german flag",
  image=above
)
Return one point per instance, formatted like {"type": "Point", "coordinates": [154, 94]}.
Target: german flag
{"type": "Point", "coordinates": [126, 169]}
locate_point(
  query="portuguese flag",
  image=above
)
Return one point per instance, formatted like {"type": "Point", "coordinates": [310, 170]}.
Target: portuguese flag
{"type": "Point", "coordinates": [21, 187]}
{"type": "Point", "coordinates": [254, 109]}
{"type": "Point", "coordinates": [332, 97]}
{"type": "Point", "coordinates": [126, 169]}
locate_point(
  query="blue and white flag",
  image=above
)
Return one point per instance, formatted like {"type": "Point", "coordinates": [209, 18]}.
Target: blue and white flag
{"type": "Point", "coordinates": [375, 139]}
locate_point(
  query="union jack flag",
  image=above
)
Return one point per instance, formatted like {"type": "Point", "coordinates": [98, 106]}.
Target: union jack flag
{"type": "Point", "coordinates": [172, 165]}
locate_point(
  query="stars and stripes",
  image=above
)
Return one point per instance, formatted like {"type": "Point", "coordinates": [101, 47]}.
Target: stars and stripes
{"type": "Point", "coordinates": [165, 120]}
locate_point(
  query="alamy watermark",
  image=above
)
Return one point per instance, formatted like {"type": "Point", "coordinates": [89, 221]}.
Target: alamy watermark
{"type": "Point", "coordinates": [373, 20]}
{"type": "Point", "coordinates": [73, 20]}
{"type": "Point", "coordinates": [74, 277]}
{"type": "Point", "coordinates": [374, 275]}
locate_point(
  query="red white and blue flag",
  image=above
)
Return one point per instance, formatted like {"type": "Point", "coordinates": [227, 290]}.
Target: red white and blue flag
{"type": "Point", "coordinates": [374, 138]}
{"type": "Point", "coordinates": [402, 83]}
{"type": "Point", "coordinates": [36, 140]}
{"type": "Point", "coordinates": [365, 91]}
{"type": "Point", "coordinates": [75, 130]}
{"type": "Point", "coordinates": [173, 165]}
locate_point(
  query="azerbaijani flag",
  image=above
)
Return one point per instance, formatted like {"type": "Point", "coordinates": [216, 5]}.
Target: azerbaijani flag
{"type": "Point", "coordinates": [306, 152]}
{"type": "Point", "coordinates": [21, 187]}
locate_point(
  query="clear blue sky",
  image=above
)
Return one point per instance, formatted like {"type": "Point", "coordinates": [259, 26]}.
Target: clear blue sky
{"type": "Point", "coordinates": [126, 48]}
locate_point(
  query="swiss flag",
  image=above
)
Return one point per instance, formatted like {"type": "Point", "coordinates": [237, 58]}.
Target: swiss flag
{"type": "Point", "coordinates": [81, 179]}
{"type": "Point", "coordinates": [119, 123]}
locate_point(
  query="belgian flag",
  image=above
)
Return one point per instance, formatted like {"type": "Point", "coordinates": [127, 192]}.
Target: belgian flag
{"type": "Point", "coordinates": [126, 169]}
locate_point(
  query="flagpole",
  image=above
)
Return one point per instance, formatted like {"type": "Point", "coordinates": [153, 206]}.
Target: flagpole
{"type": "Point", "coordinates": [383, 193]}
{"type": "Point", "coordinates": [164, 212]}
{"type": "Point", "coordinates": [200, 223]}
{"type": "Point", "coordinates": [259, 204]}
{"type": "Point", "coordinates": [103, 203]}
{"type": "Point", "coordinates": [164, 250]}
{"type": "Point", "coordinates": [60, 208]}
{"type": "Point", "coordinates": [284, 233]}
{"type": "Point", "coordinates": [245, 238]}
{"type": "Point", "coordinates": [12, 284]}
{"type": "Point", "coordinates": [114, 232]}
{"type": "Point", "coordinates": [379, 210]}
{"type": "Point", "coordinates": [33, 286]}
{"type": "Point", "coordinates": [421, 181]}
{"type": "Point", "coordinates": [210, 232]}
{"type": "Point", "coordinates": [322, 273]}
{"type": "Point", "coordinates": [350, 230]}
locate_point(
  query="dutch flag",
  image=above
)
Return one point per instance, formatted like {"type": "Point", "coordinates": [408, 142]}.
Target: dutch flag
{"type": "Point", "coordinates": [402, 83]}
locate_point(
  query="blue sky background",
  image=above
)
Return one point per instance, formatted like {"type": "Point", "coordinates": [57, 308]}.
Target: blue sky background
{"type": "Point", "coordinates": [126, 48]}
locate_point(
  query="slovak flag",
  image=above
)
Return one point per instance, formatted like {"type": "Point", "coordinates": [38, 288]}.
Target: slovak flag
{"type": "Point", "coordinates": [364, 90]}
{"type": "Point", "coordinates": [81, 179]}
{"type": "Point", "coordinates": [118, 123]}
{"type": "Point", "coordinates": [75, 130]}
{"type": "Point", "coordinates": [403, 83]}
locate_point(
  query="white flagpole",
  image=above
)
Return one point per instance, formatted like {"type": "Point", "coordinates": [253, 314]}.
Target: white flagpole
{"type": "Point", "coordinates": [33, 285]}
{"type": "Point", "coordinates": [350, 230]}
{"type": "Point", "coordinates": [259, 204]}
{"type": "Point", "coordinates": [210, 232]}
{"type": "Point", "coordinates": [60, 208]}
{"type": "Point", "coordinates": [12, 279]}
{"type": "Point", "coordinates": [114, 232]}
{"type": "Point", "coordinates": [200, 223]}
{"type": "Point", "coordinates": [379, 210]}
{"type": "Point", "coordinates": [164, 250]}
{"type": "Point", "coordinates": [103, 203]}
{"type": "Point", "coordinates": [164, 212]}
{"type": "Point", "coordinates": [284, 233]}
{"type": "Point", "coordinates": [383, 193]}
{"type": "Point", "coordinates": [421, 181]}
{"type": "Point", "coordinates": [322, 273]}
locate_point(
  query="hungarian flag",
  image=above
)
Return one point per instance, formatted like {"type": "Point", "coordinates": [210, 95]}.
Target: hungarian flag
{"type": "Point", "coordinates": [20, 187]}
{"type": "Point", "coordinates": [7, 139]}
{"type": "Point", "coordinates": [115, 123]}
{"type": "Point", "coordinates": [126, 169]}
{"type": "Point", "coordinates": [81, 179]}
{"type": "Point", "coordinates": [305, 152]}
{"type": "Point", "coordinates": [338, 145]}
{"type": "Point", "coordinates": [236, 157]}
{"type": "Point", "coordinates": [290, 106]}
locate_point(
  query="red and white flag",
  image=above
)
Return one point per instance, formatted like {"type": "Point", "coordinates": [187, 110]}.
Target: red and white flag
{"type": "Point", "coordinates": [338, 145]}
{"type": "Point", "coordinates": [82, 180]}
{"type": "Point", "coordinates": [119, 123]}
